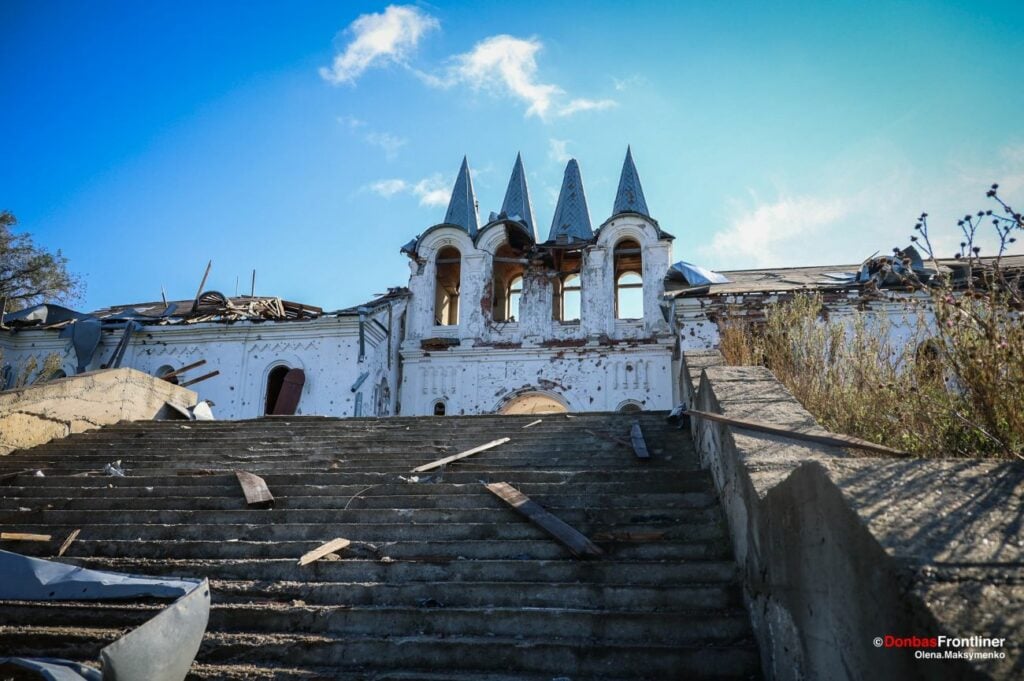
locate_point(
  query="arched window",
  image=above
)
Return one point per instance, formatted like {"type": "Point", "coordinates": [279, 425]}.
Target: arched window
{"type": "Point", "coordinates": [629, 284]}
{"type": "Point", "coordinates": [566, 286]}
{"type": "Point", "coordinates": [630, 407]}
{"type": "Point", "coordinates": [515, 294]}
{"type": "Point", "coordinates": [163, 371]}
{"type": "Point", "coordinates": [439, 408]}
{"type": "Point", "coordinates": [275, 381]}
{"type": "Point", "coordinates": [447, 283]}
{"type": "Point", "coordinates": [508, 280]}
{"type": "Point", "coordinates": [569, 294]}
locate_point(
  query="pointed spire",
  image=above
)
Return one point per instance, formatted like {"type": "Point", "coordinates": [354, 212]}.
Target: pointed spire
{"type": "Point", "coordinates": [630, 196]}
{"type": "Point", "coordinates": [462, 207]}
{"type": "Point", "coordinates": [572, 219]}
{"type": "Point", "coordinates": [517, 198]}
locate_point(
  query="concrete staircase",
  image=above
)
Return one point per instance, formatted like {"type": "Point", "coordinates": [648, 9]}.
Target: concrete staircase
{"type": "Point", "coordinates": [442, 581]}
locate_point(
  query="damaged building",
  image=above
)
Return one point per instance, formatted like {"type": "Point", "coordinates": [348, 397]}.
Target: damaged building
{"type": "Point", "coordinates": [499, 316]}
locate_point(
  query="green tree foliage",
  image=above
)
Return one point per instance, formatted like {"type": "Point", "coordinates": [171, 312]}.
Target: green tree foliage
{"type": "Point", "coordinates": [29, 274]}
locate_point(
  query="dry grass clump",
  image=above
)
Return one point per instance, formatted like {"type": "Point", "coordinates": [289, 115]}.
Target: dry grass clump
{"type": "Point", "coordinates": [954, 386]}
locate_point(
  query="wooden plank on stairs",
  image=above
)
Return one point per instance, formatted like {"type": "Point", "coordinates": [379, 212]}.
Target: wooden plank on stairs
{"type": "Point", "coordinates": [257, 494]}
{"type": "Point", "coordinates": [319, 552]}
{"type": "Point", "coordinates": [462, 455]}
{"type": "Point", "coordinates": [639, 444]}
{"type": "Point", "coordinates": [67, 542]}
{"type": "Point", "coordinates": [575, 541]}
{"type": "Point", "coordinates": [23, 536]}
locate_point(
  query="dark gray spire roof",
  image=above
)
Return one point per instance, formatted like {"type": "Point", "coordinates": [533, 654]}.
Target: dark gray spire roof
{"type": "Point", "coordinates": [630, 196]}
{"type": "Point", "coordinates": [516, 205]}
{"type": "Point", "coordinates": [462, 207]}
{"type": "Point", "coordinates": [572, 219]}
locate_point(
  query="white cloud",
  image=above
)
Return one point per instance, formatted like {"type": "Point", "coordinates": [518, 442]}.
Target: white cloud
{"type": "Point", "coordinates": [507, 66]}
{"type": "Point", "coordinates": [628, 83]}
{"type": "Point", "coordinates": [583, 104]}
{"type": "Point", "coordinates": [867, 204]}
{"type": "Point", "coordinates": [432, 191]}
{"type": "Point", "coordinates": [379, 39]}
{"type": "Point", "coordinates": [386, 141]}
{"type": "Point", "coordinates": [388, 188]}
{"type": "Point", "coordinates": [762, 236]}
{"type": "Point", "coordinates": [557, 150]}
{"type": "Point", "coordinates": [351, 122]}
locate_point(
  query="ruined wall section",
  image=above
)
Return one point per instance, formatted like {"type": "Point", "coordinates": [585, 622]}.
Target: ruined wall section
{"type": "Point", "coordinates": [326, 349]}
{"type": "Point", "coordinates": [906, 316]}
{"type": "Point", "coordinates": [475, 365]}
{"type": "Point", "coordinates": [839, 551]}
{"type": "Point", "coordinates": [37, 414]}
{"type": "Point", "coordinates": [480, 380]}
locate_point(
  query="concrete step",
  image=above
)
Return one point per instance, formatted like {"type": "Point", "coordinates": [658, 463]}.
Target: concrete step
{"type": "Point", "coordinates": [684, 627]}
{"type": "Point", "coordinates": [442, 580]}
{"type": "Point", "coordinates": [494, 512]}
{"type": "Point", "coordinates": [496, 654]}
{"type": "Point", "coordinates": [617, 571]}
{"type": "Point", "coordinates": [369, 500]}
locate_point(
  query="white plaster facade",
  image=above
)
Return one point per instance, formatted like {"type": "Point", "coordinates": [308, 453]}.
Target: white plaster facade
{"type": "Point", "coordinates": [598, 363]}
{"type": "Point", "coordinates": [327, 349]}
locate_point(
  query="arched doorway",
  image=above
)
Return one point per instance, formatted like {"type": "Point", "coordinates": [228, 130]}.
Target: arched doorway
{"type": "Point", "coordinates": [533, 403]}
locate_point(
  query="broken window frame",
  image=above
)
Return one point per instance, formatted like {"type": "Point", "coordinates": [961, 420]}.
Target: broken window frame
{"type": "Point", "coordinates": [447, 269]}
{"type": "Point", "coordinates": [507, 267]}
{"type": "Point", "coordinates": [628, 261]}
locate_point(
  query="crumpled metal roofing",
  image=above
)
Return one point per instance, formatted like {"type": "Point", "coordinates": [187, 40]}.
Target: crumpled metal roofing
{"type": "Point", "coordinates": [161, 649]}
{"type": "Point", "coordinates": [572, 217]}
{"type": "Point", "coordinates": [35, 579]}
{"type": "Point", "coordinates": [516, 205]}
{"type": "Point", "coordinates": [630, 195]}
{"type": "Point", "coordinates": [696, 275]}
{"type": "Point", "coordinates": [462, 206]}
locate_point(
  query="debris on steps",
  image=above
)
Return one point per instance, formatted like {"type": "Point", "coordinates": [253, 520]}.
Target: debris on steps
{"type": "Point", "coordinates": [406, 576]}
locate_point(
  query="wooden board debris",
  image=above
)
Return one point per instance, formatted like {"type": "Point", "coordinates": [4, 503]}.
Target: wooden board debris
{"type": "Point", "coordinates": [200, 379]}
{"type": "Point", "coordinates": [257, 494]}
{"type": "Point", "coordinates": [67, 542]}
{"type": "Point", "coordinates": [833, 439]}
{"type": "Point", "coordinates": [319, 552]}
{"type": "Point", "coordinates": [532, 423]}
{"type": "Point", "coordinates": [572, 539]}
{"type": "Point", "coordinates": [636, 436]}
{"type": "Point", "coordinates": [461, 455]}
{"type": "Point", "coordinates": [23, 536]}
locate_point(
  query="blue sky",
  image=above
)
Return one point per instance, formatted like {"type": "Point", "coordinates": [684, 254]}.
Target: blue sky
{"type": "Point", "coordinates": [311, 140]}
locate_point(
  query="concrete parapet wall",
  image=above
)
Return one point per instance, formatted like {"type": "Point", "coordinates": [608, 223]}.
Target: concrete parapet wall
{"type": "Point", "coordinates": [837, 550]}
{"type": "Point", "coordinates": [37, 414]}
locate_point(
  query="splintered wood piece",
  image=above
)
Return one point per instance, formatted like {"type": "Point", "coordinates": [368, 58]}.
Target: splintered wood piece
{"type": "Point", "coordinates": [577, 543]}
{"type": "Point", "coordinates": [462, 455]}
{"type": "Point", "coordinates": [531, 424]}
{"type": "Point", "coordinates": [23, 536]}
{"type": "Point", "coordinates": [257, 494]}
{"type": "Point", "coordinates": [639, 444]}
{"type": "Point", "coordinates": [834, 439]}
{"type": "Point", "coordinates": [319, 552]}
{"type": "Point", "coordinates": [67, 542]}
